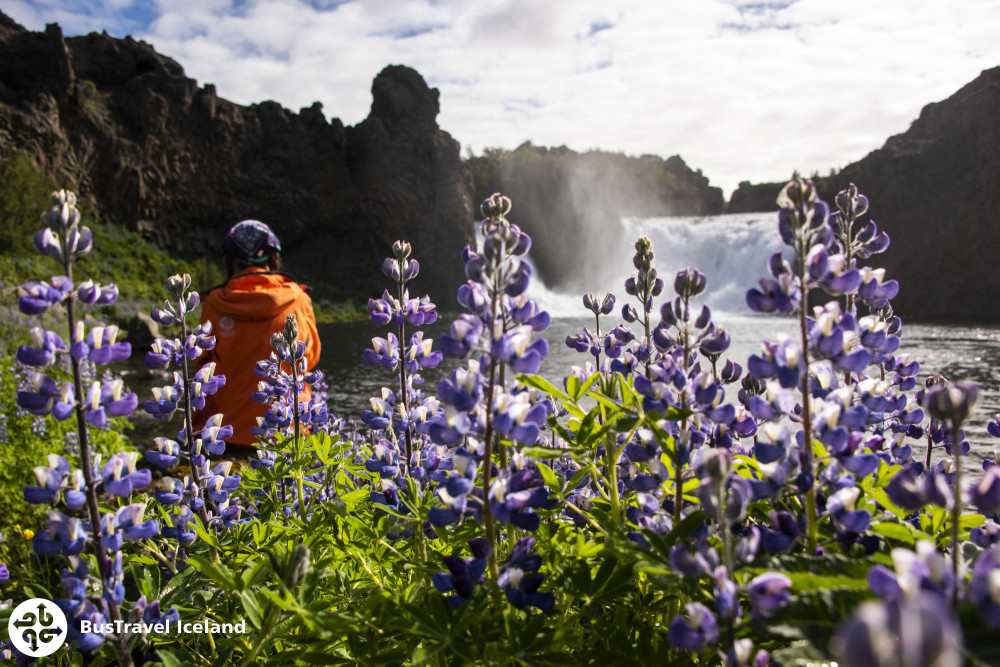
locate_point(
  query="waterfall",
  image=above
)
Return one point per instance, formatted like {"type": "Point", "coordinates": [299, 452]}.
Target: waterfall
{"type": "Point", "coordinates": [731, 250]}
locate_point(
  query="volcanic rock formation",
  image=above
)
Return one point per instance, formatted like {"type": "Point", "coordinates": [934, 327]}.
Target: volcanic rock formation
{"type": "Point", "coordinates": [936, 190]}
{"type": "Point", "coordinates": [159, 154]}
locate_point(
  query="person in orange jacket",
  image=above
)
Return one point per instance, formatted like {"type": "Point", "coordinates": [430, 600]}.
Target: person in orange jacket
{"type": "Point", "coordinates": [244, 312]}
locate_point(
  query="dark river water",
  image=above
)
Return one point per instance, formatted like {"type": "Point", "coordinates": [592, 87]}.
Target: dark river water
{"type": "Point", "coordinates": [952, 351]}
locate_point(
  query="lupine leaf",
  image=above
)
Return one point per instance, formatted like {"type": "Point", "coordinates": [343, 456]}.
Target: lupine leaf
{"type": "Point", "coordinates": [543, 385]}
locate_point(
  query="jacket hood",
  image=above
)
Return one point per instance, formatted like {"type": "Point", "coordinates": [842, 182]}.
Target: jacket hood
{"type": "Point", "coordinates": [254, 294]}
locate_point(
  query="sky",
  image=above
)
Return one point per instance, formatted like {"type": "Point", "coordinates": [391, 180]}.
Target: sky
{"type": "Point", "coordinates": [741, 90]}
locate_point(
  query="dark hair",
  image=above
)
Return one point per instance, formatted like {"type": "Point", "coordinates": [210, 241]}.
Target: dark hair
{"type": "Point", "coordinates": [272, 263]}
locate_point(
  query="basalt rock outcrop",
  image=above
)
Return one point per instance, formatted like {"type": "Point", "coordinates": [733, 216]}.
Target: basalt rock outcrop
{"type": "Point", "coordinates": [936, 190]}
{"type": "Point", "coordinates": [570, 203]}
{"type": "Point", "coordinates": [162, 155]}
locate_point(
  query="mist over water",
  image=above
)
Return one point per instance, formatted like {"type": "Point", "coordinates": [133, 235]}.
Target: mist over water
{"type": "Point", "coordinates": [731, 250]}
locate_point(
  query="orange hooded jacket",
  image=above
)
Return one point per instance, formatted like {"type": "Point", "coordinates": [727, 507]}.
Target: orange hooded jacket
{"type": "Point", "coordinates": [244, 312]}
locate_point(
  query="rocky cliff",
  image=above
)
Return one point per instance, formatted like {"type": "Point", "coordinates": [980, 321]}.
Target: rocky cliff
{"type": "Point", "coordinates": [570, 203]}
{"type": "Point", "coordinates": [936, 190]}
{"type": "Point", "coordinates": [159, 154]}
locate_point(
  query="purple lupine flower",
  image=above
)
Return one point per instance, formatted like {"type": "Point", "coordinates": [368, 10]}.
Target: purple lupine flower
{"type": "Point", "coordinates": [517, 418]}
{"type": "Point", "coordinates": [165, 401]}
{"type": "Point", "coordinates": [164, 453]}
{"type": "Point", "coordinates": [951, 401]}
{"type": "Point", "coordinates": [121, 476]}
{"type": "Point", "coordinates": [986, 535]}
{"type": "Point", "coordinates": [597, 304]}
{"type": "Point", "coordinates": [178, 529]}
{"type": "Point", "coordinates": [40, 296]}
{"type": "Point", "coordinates": [384, 352]}
{"type": "Point", "coordinates": [45, 345]}
{"type": "Point", "coordinates": [104, 401]}
{"type": "Point", "coordinates": [780, 293]}
{"type": "Point", "coordinates": [384, 461]}
{"type": "Point", "coordinates": [519, 578]}
{"type": "Point", "coordinates": [694, 564]}
{"type": "Point", "coordinates": [985, 589]}
{"type": "Point", "coordinates": [513, 497]}
{"type": "Point", "coordinates": [768, 592]}
{"type": "Point", "coordinates": [525, 311]}
{"type": "Point", "coordinates": [220, 483]}
{"type": "Point", "coordinates": [911, 632]}
{"type": "Point", "coordinates": [170, 491]}
{"type": "Point", "coordinates": [75, 493]}
{"type": "Point", "coordinates": [741, 654]}
{"type": "Point", "coordinates": [840, 507]}
{"type": "Point", "coordinates": [214, 434]}
{"type": "Point", "coordinates": [727, 600]}
{"type": "Point", "coordinates": [102, 348]}
{"type": "Point", "coordinates": [986, 494]}
{"type": "Point", "coordinates": [419, 354]}
{"type": "Point", "coordinates": [78, 608]}
{"type": "Point", "coordinates": [696, 633]}
{"type": "Point", "coordinates": [517, 349]}
{"type": "Point", "coordinates": [62, 534]}
{"type": "Point", "coordinates": [464, 574]}
{"type": "Point", "coordinates": [379, 417]}
{"type": "Point", "coordinates": [92, 293]}
{"type": "Point", "coordinates": [383, 310]}
{"type": "Point", "coordinates": [782, 360]}
{"type": "Point", "coordinates": [50, 480]}
{"type": "Point", "coordinates": [784, 534]}
{"type": "Point", "coordinates": [419, 312]}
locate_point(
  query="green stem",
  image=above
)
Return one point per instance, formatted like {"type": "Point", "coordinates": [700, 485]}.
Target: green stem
{"type": "Point", "coordinates": [189, 421]}
{"type": "Point", "coordinates": [404, 394]}
{"type": "Point", "coordinates": [956, 510]}
{"type": "Point", "coordinates": [103, 563]}
{"type": "Point", "coordinates": [812, 525]}
{"type": "Point", "coordinates": [487, 473]}
{"type": "Point", "coordinates": [611, 464]}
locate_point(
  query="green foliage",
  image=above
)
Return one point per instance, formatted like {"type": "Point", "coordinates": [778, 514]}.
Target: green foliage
{"type": "Point", "coordinates": [22, 191]}
{"type": "Point", "coordinates": [25, 442]}
{"type": "Point", "coordinates": [340, 311]}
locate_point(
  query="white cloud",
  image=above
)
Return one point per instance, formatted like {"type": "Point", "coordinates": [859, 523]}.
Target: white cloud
{"type": "Point", "coordinates": [742, 90]}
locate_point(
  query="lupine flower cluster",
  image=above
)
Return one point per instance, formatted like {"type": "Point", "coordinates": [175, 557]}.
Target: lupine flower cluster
{"type": "Point", "coordinates": [395, 411]}
{"type": "Point", "coordinates": [65, 240]}
{"type": "Point", "coordinates": [205, 490]}
{"type": "Point", "coordinates": [480, 411]}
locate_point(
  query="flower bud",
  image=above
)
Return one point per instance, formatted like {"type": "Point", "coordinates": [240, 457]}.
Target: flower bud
{"type": "Point", "coordinates": [689, 283]}
{"type": "Point", "coordinates": [401, 250]}
{"type": "Point", "coordinates": [178, 284]}
{"type": "Point", "coordinates": [496, 206]}
{"type": "Point", "coordinates": [952, 402]}
{"type": "Point", "coordinates": [291, 329]}
{"type": "Point", "coordinates": [718, 463]}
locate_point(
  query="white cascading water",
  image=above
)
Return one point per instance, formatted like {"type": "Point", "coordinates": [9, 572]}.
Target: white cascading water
{"type": "Point", "coordinates": [731, 250]}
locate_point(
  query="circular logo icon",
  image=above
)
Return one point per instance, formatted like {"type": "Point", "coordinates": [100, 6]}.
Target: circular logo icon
{"type": "Point", "coordinates": [37, 627]}
{"type": "Point", "coordinates": [227, 323]}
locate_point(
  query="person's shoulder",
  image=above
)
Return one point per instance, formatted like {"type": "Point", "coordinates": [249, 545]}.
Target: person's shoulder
{"type": "Point", "coordinates": [291, 281]}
